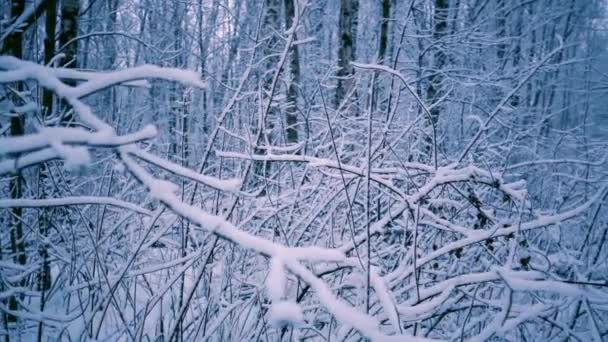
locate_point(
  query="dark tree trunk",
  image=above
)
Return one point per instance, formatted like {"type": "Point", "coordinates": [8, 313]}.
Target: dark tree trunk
{"type": "Point", "coordinates": [347, 38]}
{"type": "Point", "coordinates": [384, 32]}
{"type": "Point", "coordinates": [69, 31]}
{"type": "Point", "coordinates": [434, 91]}
{"type": "Point", "coordinates": [291, 116]}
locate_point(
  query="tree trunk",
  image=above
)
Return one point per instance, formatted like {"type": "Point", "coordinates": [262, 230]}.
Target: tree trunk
{"type": "Point", "coordinates": [347, 38]}
{"type": "Point", "coordinates": [384, 32]}
{"type": "Point", "coordinates": [44, 277]}
{"type": "Point", "coordinates": [294, 74]}
{"type": "Point", "coordinates": [69, 31]}
{"type": "Point", "coordinates": [270, 26]}
{"type": "Point", "coordinates": [434, 92]}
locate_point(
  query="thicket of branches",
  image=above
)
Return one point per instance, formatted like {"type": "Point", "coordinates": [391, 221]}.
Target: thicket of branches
{"type": "Point", "coordinates": [303, 170]}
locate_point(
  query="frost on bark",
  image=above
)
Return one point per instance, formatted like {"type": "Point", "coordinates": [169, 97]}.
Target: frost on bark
{"type": "Point", "coordinates": [179, 97]}
{"type": "Point", "coordinates": [347, 38]}
{"type": "Point", "coordinates": [270, 28]}
{"type": "Point", "coordinates": [291, 115]}
{"type": "Point", "coordinates": [49, 50]}
{"type": "Point", "coordinates": [434, 90]}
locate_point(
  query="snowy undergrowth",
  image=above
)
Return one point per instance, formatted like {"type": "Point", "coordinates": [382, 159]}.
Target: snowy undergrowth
{"type": "Point", "coordinates": [292, 260]}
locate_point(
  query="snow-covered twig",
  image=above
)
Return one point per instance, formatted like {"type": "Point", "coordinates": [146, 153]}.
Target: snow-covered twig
{"type": "Point", "coordinates": [69, 201]}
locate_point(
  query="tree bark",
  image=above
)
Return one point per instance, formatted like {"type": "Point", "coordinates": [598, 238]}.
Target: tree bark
{"type": "Point", "coordinates": [44, 277]}
{"type": "Point", "coordinates": [69, 31]}
{"type": "Point", "coordinates": [291, 115]}
{"type": "Point", "coordinates": [384, 32]}
{"type": "Point", "coordinates": [433, 91]}
{"type": "Point", "coordinates": [347, 41]}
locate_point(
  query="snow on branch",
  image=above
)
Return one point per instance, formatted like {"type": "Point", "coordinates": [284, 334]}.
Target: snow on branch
{"type": "Point", "coordinates": [435, 187]}
{"type": "Point", "coordinates": [70, 201]}
{"type": "Point", "coordinates": [41, 147]}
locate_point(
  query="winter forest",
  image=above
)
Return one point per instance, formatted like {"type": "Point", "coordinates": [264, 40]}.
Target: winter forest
{"type": "Point", "coordinates": [303, 170]}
